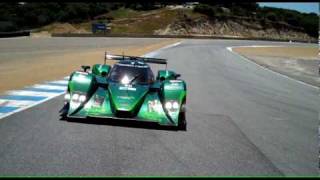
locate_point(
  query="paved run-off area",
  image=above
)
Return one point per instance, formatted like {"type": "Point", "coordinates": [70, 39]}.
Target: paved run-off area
{"type": "Point", "coordinates": [242, 120]}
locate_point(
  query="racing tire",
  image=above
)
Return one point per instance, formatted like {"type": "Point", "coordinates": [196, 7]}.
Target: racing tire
{"type": "Point", "coordinates": [182, 123]}
{"type": "Point", "coordinates": [64, 112]}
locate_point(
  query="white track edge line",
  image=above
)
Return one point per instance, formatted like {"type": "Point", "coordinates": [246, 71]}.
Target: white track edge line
{"type": "Point", "coordinates": [155, 52]}
{"type": "Point", "coordinates": [30, 93]}
{"type": "Point", "coordinates": [301, 82]}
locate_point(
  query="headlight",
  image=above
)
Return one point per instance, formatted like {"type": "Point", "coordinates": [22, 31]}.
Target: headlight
{"type": "Point", "coordinates": [172, 105]}
{"type": "Point", "coordinates": [67, 97]}
{"type": "Point", "coordinates": [82, 98]}
{"type": "Point", "coordinates": [168, 105]}
{"type": "Point", "coordinates": [175, 105]}
{"type": "Point", "coordinates": [75, 97]}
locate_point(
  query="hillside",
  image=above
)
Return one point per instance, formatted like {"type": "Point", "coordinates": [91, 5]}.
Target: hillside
{"type": "Point", "coordinates": [234, 27]}
{"type": "Point", "coordinates": [168, 21]}
{"type": "Point", "coordinates": [231, 20]}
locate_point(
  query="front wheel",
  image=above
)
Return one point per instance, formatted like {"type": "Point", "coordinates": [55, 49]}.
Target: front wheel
{"type": "Point", "coordinates": [182, 123]}
{"type": "Point", "coordinates": [64, 111]}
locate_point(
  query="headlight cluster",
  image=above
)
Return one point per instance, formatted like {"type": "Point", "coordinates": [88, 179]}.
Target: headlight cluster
{"type": "Point", "coordinates": [67, 97]}
{"type": "Point", "coordinates": [156, 106]}
{"type": "Point", "coordinates": [172, 105]}
{"type": "Point", "coordinates": [75, 97]}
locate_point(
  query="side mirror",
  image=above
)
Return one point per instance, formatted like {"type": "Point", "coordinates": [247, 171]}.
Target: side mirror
{"type": "Point", "coordinates": [85, 68]}
{"type": "Point", "coordinates": [155, 87]}
{"type": "Point", "coordinates": [162, 78]}
{"type": "Point", "coordinates": [177, 75]}
{"type": "Point", "coordinates": [103, 73]}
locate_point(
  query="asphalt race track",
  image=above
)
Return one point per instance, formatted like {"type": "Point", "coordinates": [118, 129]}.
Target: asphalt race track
{"type": "Point", "coordinates": [242, 120]}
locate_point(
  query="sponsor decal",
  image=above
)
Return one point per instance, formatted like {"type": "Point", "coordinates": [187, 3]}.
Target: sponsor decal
{"type": "Point", "coordinates": [175, 81]}
{"type": "Point", "coordinates": [154, 106]}
{"type": "Point", "coordinates": [125, 97]}
{"type": "Point", "coordinates": [127, 88]}
{"type": "Point", "coordinates": [98, 100]}
{"type": "Point", "coordinates": [174, 85]}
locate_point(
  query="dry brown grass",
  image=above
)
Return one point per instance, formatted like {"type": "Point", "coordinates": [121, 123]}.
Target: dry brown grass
{"type": "Point", "coordinates": [46, 68]}
{"type": "Point", "coordinates": [306, 53]}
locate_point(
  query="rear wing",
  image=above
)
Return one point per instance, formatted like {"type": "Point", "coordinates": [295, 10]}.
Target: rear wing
{"type": "Point", "coordinates": [138, 58]}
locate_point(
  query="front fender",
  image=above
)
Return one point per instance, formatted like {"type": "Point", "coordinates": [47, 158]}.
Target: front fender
{"type": "Point", "coordinates": [80, 83]}
{"type": "Point", "coordinates": [174, 91]}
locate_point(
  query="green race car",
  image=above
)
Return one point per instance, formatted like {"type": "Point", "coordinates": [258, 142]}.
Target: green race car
{"type": "Point", "coordinates": [127, 90]}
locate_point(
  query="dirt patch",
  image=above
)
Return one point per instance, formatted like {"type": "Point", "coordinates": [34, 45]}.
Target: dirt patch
{"type": "Point", "coordinates": [41, 34]}
{"type": "Point", "coordinates": [59, 28]}
{"type": "Point", "coordinates": [17, 74]}
{"type": "Point", "coordinates": [301, 63]}
{"type": "Point", "coordinates": [305, 53]}
{"type": "Point", "coordinates": [232, 26]}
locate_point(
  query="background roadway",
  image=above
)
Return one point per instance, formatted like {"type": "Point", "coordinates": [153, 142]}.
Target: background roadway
{"type": "Point", "coordinates": [242, 120]}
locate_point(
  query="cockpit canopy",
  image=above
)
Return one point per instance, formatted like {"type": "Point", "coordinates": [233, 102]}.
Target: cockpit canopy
{"type": "Point", "coordinates": [131, 72]}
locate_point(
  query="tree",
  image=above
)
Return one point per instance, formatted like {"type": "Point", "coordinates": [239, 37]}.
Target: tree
{"type": "Point", "coordinates": [271, 16]}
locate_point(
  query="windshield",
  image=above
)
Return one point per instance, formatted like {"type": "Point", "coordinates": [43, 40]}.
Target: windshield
{"type": "Point", "coordinates": [131, 74]}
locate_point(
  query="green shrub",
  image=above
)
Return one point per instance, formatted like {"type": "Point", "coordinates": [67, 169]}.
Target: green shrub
{"type": "Point", "coordinates": [205, 9]}
{"type": "Point", "coordinates": [271, 16]}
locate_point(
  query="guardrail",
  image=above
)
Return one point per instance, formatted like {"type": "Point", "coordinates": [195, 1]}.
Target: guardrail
{"type": "Point", "coordinates": [173, 36]}
{"type": "Point", "coordinates": [14, 34]}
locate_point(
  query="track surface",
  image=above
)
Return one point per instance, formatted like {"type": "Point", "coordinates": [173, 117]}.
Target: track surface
{"type": "Point", "coordinates": [242, 120]}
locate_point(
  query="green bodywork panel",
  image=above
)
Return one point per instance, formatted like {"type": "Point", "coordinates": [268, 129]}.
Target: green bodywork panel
{"type": "Point", "coordinates": [100, 69]}
{"type": "Point", "coordinates": [166, 74]}
{"type": "Point", "coordinates": [174, 90]}
{"type": "Point", "coordinates": [127, 98]}
{"type": "Point", "coordinates": [143, 102]}
{"type": "Point", "coordinates": [81, 81]}
{"type": "Point", "coordinates": [155, 114]}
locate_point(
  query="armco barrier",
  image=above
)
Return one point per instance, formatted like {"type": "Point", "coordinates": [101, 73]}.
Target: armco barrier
{"type": "Point", "coordinates": [14, 34]}
{"type": "Point", "coordinates": [171, 36]}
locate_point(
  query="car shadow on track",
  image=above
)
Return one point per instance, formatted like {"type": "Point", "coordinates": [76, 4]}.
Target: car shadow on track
{"type": "Point", "coordinates": [121, 123]}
